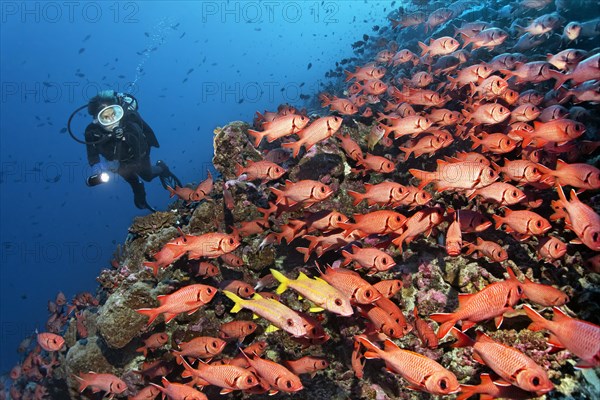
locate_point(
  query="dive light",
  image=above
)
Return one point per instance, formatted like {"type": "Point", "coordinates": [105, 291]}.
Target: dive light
{"type": "Point", "coordinates": [97, 179]}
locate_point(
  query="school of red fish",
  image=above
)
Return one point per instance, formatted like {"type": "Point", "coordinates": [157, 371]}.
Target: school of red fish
{"type": "Point", "coordinates": [472, 130]}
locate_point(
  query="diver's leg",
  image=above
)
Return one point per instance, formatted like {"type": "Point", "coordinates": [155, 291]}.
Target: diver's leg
{"type": "Point", "coordinates": [139, 191]}
{"type": "Point", "coordinates": [147, 172]}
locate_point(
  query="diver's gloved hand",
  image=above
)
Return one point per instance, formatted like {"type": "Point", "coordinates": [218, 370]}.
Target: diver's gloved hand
{"type": "Point", "coordinates": [112, 166]}
{"type": "Point", "coordinates": [98, 176]}
{"type": "Point", "coordinates": [97, 169]}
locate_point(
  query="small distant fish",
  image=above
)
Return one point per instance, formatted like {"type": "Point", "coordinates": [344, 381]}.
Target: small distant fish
{"type": "Point", "coordinates": [81, 50]}
{"type": "Point", "coordinates": [309, 66]}
{"type": "Point", "coordinates": [86, 38]}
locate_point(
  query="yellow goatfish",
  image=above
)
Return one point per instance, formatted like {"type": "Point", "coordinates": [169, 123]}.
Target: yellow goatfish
{"type": "Point", "coordinates": [318, 291]}
{"type": "Point", "coordinates": [273, 311]}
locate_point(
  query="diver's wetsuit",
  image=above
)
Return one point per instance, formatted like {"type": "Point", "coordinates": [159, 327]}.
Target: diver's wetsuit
{"type": "Point", "coordinates": [131, 150]}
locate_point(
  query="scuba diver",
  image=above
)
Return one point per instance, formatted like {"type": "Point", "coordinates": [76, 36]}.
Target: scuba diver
{"type": "Point", "coordinates": [120, 135]}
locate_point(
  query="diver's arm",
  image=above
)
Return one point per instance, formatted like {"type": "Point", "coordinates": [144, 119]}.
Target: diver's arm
{"type": "Point", "coordinates": [146, 129]}
{"type": "Point", "coordinates": [93, 155]}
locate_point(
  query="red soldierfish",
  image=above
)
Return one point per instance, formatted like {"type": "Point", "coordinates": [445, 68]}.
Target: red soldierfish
{"type": "Point", "coordinates": [544, 295]}
{"type": "Point", "coordinates": [421, 222]}
{"type": "Point", "coordinates": [237, 330]}
{"type": "Point", "coordinates": [101, 382]}
{"type": "Point", "coordinates": [551, 248]}
{"type": "Point", "coordinates": [454, 237]}
{"type": "Point", "coordinates": [489, 38]}
{"type": "Point", "coordinates": [187, 299]}
{"type": "Point", "coordinates": [486, 114]}
{"type": "Point", "coordinates": [147, 393]}
{"type": "Point", "coordinates": [204, 188]}
{"type": "Point", "coordinates": [228, 377]}
{"type": "Point", "coordinates": [523, 222]}
{"type": "Point", "coordinates": [512, 365]}
{"type": "Point", "coordinates": [384, 193]}
{"type": "Point", "coordinates": [280, 127]}
{"type": "Point", "coordinates": [307, 365]}
{"type": "Point", "coordinates": [167, 255]}
{"type": "Point", "coordinates": [199, 347]}
{"type": "Point", "coordinates": [209, 245]}
{"type": "Point", "coordinates": [558, 130]}
{"type": "Point", "coordinates": [279, 377]}
{"type": "Point", "coordinates": [375, 222]}
{"type": "Point", "coordinates": [388, 287]}
{"type": "Point", "coordinates": [179, 391]}
{"type": "Point", "coordinates": [321, 129]}
{"type": "Point", "coordinates": [489, 389]}
{"type": "Point", "coordinates": [341, 105]}
{"type": "Point", "coordinates": [50, 341]}
{"type": "Point", "coordinates": [491, 302]}
{"type": "Point", "coordinates": [581, 175]}
{"type": "Point", "coordinates": [579, 337]}
{"type": "Point", "coordinates": [306, 192]}
{"type": "Point", "coordinates": [184, 193]}
{"type": "Point", "coordinates": [424, 331]}
{"type": "Point", "coordinates": [351, 284]}
{"type": "Point", "coordinates": [502, 193]}
{"type": "Point", "coordinates": [377, 164]}
{"type": "Point", "coordinates": [369, 71]}
{"type": "Point", "coordinates": [456, 175]}
{"type": "Point", "coordinates": [351, 148]}
{"type": "Point", "coordinates": [493, 251]}
{"type": "Point", "coordinates": [374, 260]}
{"type": "Point", "coordinates": [439, 46]}
{"type": "Point", "coordinates": [582, 219]}
{"type": "Point", "coordinates": [153, 342]}
{"type": "Point", "coordinates": [421, 372]}
{"type": "Point", "coordinates": [263, 170]}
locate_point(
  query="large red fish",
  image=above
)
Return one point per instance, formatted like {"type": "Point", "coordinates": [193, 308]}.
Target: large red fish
{"type": "Point", "coordinates": [491, 302]}
{"type": "Point", "coordinates": [421, 372]}
{"type": "Point", "coordinates": [101, 382]}
{"type": "Point", "coordinates": [457, 175]}
{"type": "Point", "coordinates": [319, 130]}
{"type": "Point", "coordinates": [279, 127]}
{"type": "Point", "coordinates": [307, 192]}
{"type": "Point", "coordinates": [227, 377]}
{"type": "Point", "coordinates": [187, 299]}
{"type": "Point", "coordinates": [509, 363]}
{"type": "Point", "coordinates": [582, 219]}
{"type": "Point", "coordinates": [179, 391]}
{"type": "Point", "coordinates": [579, 337]}
{"type": "Point", "coordinates": [276, 375]}
{"type": "Point", "coordinates": [209, 245]}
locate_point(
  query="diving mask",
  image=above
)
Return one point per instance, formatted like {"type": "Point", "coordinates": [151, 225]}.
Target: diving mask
{"type": "Point", "coordinates": [110, 115]}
